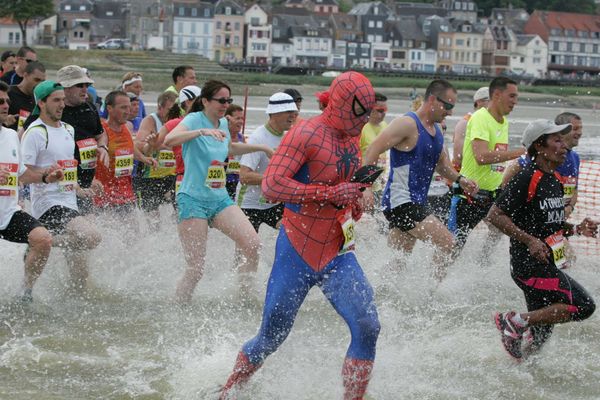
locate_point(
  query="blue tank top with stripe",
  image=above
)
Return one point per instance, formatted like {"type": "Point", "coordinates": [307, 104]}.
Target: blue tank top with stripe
{"type": "Point", "coordinates": [411, 171]}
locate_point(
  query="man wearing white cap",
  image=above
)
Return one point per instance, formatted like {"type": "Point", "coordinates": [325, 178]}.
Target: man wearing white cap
{"type": "Point", "coordinates": [480, 99]}
{"type": "Point", "coordinates": [531, 211]}
{"type": "Point", "coordinates": [90, 139]}
{"type": "Point", "coordinates": [282, 111]}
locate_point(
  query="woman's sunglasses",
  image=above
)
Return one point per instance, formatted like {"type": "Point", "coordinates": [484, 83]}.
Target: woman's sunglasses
{"type": "Point", "coordinates": [223, 100]}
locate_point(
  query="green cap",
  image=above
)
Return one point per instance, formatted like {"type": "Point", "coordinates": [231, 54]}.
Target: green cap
{"type": "Point", "coordinates": [43, 90]}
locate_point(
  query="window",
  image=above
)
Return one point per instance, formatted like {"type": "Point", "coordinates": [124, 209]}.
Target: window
{"type": "Point", "coordinates": [254, 21]}
{"type": "Point", "coordinates": [580, 60]}
{"type": "Point", "coordinates": [194, 12]}
{"type": "Point", "coordinates": [595, 49]}
{"type": "Point", "coordinates": [82, 8]}
{"type": "Point", "coordinates": [299, 43]}
{"type": "Point", "coordinates": [380, 53]}
{"type": "Point", "coordinates": [179, 42]}
{"type": "Point", "coordinates": [471, 6]}
{"type": "Point", "coordinates": [522, 59]}
{"type": "Point", "coordinates": [582, 47]}
{"type": "Point", "coordinates": [352, 51]}
{"type": "Point", "coordinates": [236, 26]}
{"type": "Point", "coordinates": [193, 28]}
{"type": "Point", "coordinates": [180, 27]}
{"type": "Point", "coordinates": [205, 30]}
{"type": "Point", "coordinates": [67, 7]}
{"type": "Point", "coordinates": [380, 24]}
{"type": "Point", "coordinates": [537, 52]}
{"type": "Point", "coordinates": [569, 46]}
{"type": "Point", "coordinates": [457, 5]}
{"type": "Point", "coordinates": [460, 42]}
{"type": "Point", "coordinates": [364, 52]}
{"type": "Point", "coordinates": [370, 38]}
{"type": "Point", "coordinates": [308, 44]}
{"type": "Point", "coordinates": [378, 38]}
{"type": "Point", "coordinates": [236, 40]}
{"type": "Point", "coordinates": [109, 13]}
{"type": "Point", "coordinates": [181, 11]}
{"type": "Point", "coordinates": [555, 46]}
{"type": "Point", "coordinates": [218, 40]}
{"type": "Point", "coordinates": [75, 34]}
{"type": "Point", "coordinates": [537, 60]}
{"type": "Point", "coordinates": [207, 12]}
{"type": "Point", "coordinates": [371, 24]}
{"type": "Point", "coordinates": [227, 10]}
{"type": "Point", "coordinates": [218, 24]}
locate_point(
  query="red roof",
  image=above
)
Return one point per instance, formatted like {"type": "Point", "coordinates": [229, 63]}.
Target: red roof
{"type": "Point", "coordinates": [563, 20]}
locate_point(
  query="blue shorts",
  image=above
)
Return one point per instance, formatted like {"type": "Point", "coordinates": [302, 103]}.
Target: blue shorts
{"type": "Point", "coordinates": [190, 208]}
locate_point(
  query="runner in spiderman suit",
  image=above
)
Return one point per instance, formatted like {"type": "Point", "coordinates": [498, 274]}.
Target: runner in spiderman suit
{"type": "Point", "coordinates": [310, 173]}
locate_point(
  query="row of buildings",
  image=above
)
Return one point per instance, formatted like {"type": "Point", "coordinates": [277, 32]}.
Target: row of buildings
{"type": "Point", "coordinates": [449, 35]}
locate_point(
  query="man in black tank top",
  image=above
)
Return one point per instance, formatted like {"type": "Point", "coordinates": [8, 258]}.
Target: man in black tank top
{"type": "Point", "coordinates": [531, 212]}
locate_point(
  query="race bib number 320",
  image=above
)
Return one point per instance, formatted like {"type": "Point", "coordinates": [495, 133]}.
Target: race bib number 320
{"type": "Point", "coordinates": [557, 245]}
{"type": "Point", "coordinates": [215, 177]}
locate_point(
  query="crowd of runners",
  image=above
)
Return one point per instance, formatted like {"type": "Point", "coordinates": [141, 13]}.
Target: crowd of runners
{"type": "Point", "coordinates": [66, 156]}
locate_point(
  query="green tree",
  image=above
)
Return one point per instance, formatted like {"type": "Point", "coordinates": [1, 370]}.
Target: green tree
{"type": "Point", "coordinates": [23, 11]}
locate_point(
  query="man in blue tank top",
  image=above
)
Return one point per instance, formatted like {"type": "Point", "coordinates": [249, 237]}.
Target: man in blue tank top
{"type": "Point", "coordinates": [415, 142]}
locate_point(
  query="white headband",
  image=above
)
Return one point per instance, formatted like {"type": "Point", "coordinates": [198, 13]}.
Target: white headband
{"type": "Point", "coordinates": [130, 81]}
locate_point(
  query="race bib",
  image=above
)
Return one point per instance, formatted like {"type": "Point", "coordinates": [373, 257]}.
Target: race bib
{"type": "Point", "coordinates": [10, 188]}
{"type": "Point", "coordinates": [87, 153]}
{"type": "Point", "coordinates": [69, 179]}
{"type": "Point", "coordinates": [178, 181]}
{"type": "Point", "coordinates": [557, 245]}
{"type": "Point", "coordinates": [23, 115]}
{"type": "Point", "coordinates": [233, 167]}
{"type": "Point", "coordinates": [215, 178]}
{"type": "Point", "coordinates": [569, 186]}
{"type": "Point", "coordinates": [347, 223]}
{"type": "Point", "coordinates": [500, 166]}
{"type": "Point", "coordinates": [123, 162]}
{"type": "Point", "coordinates": [166, 159]}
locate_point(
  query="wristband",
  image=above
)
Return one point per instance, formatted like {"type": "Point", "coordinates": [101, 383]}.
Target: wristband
{"type": "Point", "coordinates": [103, 147]}
{"type": "Point", "coordinates": [44, 176]}
{"type": "Point", "coordinates": [458, 178]}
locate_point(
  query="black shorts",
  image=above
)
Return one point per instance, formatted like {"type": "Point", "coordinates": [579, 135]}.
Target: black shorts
{"type": "Point", "coordinates": [19, 227]}
{"type": "Point", "coordinates": [406, 216]}
{"type": "Point", "coordinates": [85, 205]}
{"type": "Point", "coordinates": [440, 206]}
{"type": "Point", "coordinates": [270, 216]}
{"type": "Point", "coordinates": [543, 285]}
{"type": "Point", "coordinates": [152, 192]}
{"type": "Point", "coordinates": [231, 189]}
{"type": "Point", "coordinates": [56, 218]}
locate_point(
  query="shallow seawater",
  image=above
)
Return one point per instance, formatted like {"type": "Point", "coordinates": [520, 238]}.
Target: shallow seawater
{"type": "Point", "coordinates": [126, 339]}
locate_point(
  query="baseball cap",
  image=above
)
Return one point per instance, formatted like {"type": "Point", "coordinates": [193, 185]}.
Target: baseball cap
{"type": "Point", "coordinates": [482, 93]}
{"type": "Point", "coordinates": [281, 102]}
{"type": "Point", "coordinates": [541, 127]}
{"type": "Point", "coordinates": [43, 90]}
{"type": "Point", "coordinates": [323, 97]}
{"type": "Point", "coordinates": [189, 93]}
{"type": "Point", "coordinates": [72, 75]}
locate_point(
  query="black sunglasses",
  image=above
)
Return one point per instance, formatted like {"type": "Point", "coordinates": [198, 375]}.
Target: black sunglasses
{"type": "Point", "coordinates": [4, 101]}
{"type": "Point", "coordinates": [82, 85]}
{"type": "Point", "coordinates": [223, 100]}
{"type": "Point", "coordinates": [447, 106]}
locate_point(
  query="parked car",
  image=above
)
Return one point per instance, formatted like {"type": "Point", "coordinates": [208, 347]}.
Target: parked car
{"type": "Point", "coordinates": [114, 44]}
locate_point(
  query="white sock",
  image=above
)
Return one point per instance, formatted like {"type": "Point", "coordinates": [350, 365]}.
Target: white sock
{"type": "Point", "coordinates": [519, 320]}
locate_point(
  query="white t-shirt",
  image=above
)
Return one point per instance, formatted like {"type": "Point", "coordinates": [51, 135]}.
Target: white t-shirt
{"type": "Point", "coordinates": [250, 196]}
{"type": "Point", "coordinates": [42, 147]}
{"type": "Point", "coordinates": [9, 159]}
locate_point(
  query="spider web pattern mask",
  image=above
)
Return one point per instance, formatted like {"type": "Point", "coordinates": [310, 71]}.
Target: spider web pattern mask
{"type": "Point", "coordinates": [351, 97]}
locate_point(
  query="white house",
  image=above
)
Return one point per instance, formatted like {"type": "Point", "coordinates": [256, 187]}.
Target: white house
{"type": "Point", "coordinates": [11, 36]}
{"type": "Point", "coordinates": [530, 56]}
{"type": "Point", "coordinates": [258, 35]}
{"type": "Point", "coordinates": [381, 54]}
{"type": "Point", "coordinates": [422, 60]}
{"type": "Point", "coordinates": [193, 28]}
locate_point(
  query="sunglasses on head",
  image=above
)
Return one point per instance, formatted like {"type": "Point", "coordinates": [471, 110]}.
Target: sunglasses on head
{"type": "Point", "coordinates": [447, 106]}
{"type": "Point", "coordinates": [82, 85]}
{"type": "Point", "coordinates": [4, 101]}
{"type": "Point", "coordinates": [223, 100]}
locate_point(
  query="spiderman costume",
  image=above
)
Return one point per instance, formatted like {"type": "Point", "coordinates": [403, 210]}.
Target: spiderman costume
{"type": "Point", "coordinates": [310, 173]}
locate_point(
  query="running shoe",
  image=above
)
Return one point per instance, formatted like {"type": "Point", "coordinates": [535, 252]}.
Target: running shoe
{"type": "Point", "coordinates": [511, 334]}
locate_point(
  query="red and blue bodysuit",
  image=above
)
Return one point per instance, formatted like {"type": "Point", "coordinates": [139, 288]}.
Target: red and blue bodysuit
{"type": "Point", "coordinates": [310, 173]}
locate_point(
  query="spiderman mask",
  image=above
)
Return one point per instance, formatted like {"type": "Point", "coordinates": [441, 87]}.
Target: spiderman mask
{"type": "Point", "coordinates": [351, 97]}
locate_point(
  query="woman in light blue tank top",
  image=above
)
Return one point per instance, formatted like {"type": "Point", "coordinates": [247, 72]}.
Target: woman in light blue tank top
{"type": "Point", "coordinates": [202, 199]}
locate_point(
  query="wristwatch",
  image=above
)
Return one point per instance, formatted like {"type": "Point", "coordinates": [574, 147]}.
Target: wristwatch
{"type": "Point", "coordinates": [44, 176]}
{"type": "Point", "coordinates": [458, 178]}
{"type": "Point", "coordinates": [103, 147]}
